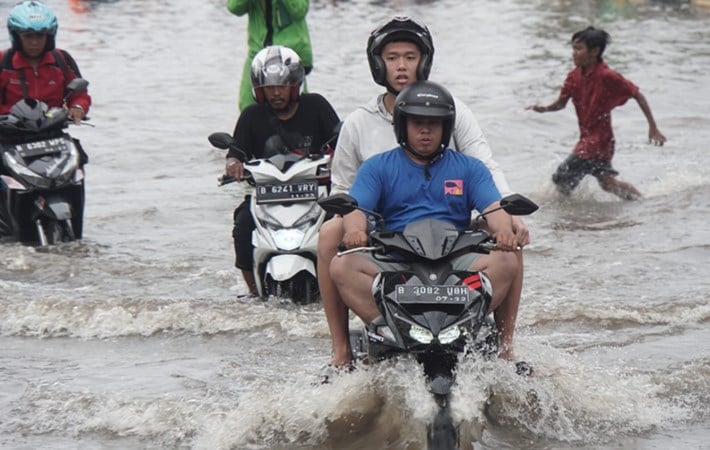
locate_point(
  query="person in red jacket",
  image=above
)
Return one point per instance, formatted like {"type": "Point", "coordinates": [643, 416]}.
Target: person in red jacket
{"type": "Point", "coordinates": [595, 90]}
{"type": "Point", "coordinates": [33, 67]}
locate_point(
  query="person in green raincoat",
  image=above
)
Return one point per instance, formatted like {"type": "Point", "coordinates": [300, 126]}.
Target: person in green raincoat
{"type": "Point", "coordinates": [272, 22]}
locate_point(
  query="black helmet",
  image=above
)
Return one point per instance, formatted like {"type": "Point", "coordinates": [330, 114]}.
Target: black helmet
{"type": "Point", "coordinates": [424, 99]}
{"type": "Point", "coordinates": [400, 28]}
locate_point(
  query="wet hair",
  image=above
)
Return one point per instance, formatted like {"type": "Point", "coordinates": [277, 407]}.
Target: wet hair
{"type": "Point", "coordinates": [593, 38]}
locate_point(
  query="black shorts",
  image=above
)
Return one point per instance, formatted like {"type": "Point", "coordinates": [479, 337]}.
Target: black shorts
{"type": "Point", "coordinates": [574, 168]}
{"type": "Point", "coordinates": [241, 233]}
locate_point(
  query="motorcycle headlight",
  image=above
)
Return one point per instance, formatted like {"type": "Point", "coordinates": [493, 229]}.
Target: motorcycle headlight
{"type": "Point", "coordinates": [25, 173]}
{"type": "Point", "coordinates": [450, 334]}
{"type": "Point", "coordinates": [288, 238]}
{"type": "Point", "coordinates": [420, 334]}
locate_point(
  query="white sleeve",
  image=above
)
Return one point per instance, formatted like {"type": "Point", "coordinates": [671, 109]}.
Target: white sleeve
{"type": "Point", "coordinates": [469, 139]}
{"type": "Point", "coordinates": [346, 160]}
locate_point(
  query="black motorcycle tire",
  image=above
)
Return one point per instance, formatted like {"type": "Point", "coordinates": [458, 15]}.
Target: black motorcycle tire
{"type": "Point", "coordinates": [304, 289]}
{"type": "Point", "coordinates": [57, 232]}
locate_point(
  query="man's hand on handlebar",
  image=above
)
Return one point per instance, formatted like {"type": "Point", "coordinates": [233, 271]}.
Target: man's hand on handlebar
{"type": "Point", "coordinates": [521, 231]}
{"type": "Point", "coordinates": [76, 113]}
{"type": "Point", "coordinates": [355, 239]}
{"type": "Point", "coordinates": [234, 168]}
{"type": "Point", "coordinates": [506, 241]}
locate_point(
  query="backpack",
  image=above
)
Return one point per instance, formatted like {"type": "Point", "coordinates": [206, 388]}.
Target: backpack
{"type": "Point", "coordinates": [62, 59]}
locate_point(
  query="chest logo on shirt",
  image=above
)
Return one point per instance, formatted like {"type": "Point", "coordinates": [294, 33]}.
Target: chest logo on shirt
{"type": "Point", "coordinates": [453, 187]}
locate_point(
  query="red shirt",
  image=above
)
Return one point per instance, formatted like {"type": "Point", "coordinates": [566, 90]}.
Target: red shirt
{"type": "Point", "coordinates": [46, 84]}
{"type": "Point", "coordinates": [594, 95]}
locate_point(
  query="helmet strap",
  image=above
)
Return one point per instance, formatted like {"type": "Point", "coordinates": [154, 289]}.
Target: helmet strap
{"type": "Point", "coordinates": [427, 159]}
{"type": "Point", "coordinates": [390, 89]}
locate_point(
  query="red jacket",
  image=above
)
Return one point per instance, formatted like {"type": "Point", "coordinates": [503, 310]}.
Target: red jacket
{"type": "Point", "coordinates": [46, 84]}
{"type": "Point", "coordinates": [594, 95]}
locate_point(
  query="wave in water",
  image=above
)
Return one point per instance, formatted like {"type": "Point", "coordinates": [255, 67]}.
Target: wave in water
{"type": "Point", "coordinates": [382, 406]}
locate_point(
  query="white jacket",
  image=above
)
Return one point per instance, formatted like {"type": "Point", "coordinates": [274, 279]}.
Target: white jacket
{"type": "Point", "coordinates": [368, 131]}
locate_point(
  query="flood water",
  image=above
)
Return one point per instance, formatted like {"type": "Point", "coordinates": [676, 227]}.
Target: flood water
{"type": "Point", "coordinates": [135, 337]}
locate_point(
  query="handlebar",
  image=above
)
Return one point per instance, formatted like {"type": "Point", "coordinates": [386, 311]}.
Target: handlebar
{"type": "Point", "coordinates": [485, 247]}
{"type": "Point", "coordinates": [226, 179]}
{"type": "Point", "coordinates": [374, 248]}
{"type": "Point", "coordinates": [14, 124]}
{"type": "Point", "coordinates": [488, 246]}
{"type": "Point", "coordinates": [492, 246]}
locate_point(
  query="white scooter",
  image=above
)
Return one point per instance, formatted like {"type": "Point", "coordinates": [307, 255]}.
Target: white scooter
{"type": "Point", "coordinates": [285, 209]}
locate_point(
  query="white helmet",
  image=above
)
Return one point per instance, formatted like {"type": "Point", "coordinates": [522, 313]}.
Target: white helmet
{"type": "Point", "coordinates": [276, 66]}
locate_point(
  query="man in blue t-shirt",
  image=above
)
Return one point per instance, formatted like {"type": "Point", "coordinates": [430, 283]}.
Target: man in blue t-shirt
{"type": "Point", "coordinates": [422, 178]}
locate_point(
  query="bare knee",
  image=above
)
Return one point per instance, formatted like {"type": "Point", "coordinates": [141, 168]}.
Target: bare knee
{"type": "Point", "coordinates": [339, 269]}
{"type": "Point", "coordinates": [499, 266]}
{"type": "Point", "coordinates": [509, 263]}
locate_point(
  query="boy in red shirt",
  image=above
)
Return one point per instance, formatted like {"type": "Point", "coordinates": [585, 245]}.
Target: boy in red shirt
{"type": "Point", "coordinates": [595, 90]}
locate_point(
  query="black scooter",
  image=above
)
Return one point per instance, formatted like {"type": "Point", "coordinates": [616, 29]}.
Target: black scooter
{"type": "Point", "coordinates": [41, 176]}
{"type": "Point", "coordinates": [430, 311]}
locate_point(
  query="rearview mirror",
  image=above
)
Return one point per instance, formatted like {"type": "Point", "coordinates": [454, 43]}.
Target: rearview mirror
{"type": "Point", "coordinates": [518, 205]}
{"type": "Point", "coordinates": [221, 140]}
{"type": "Point", "coordinates": [77, 85]}
{"type": "Point", "coordinates": [338, 204]}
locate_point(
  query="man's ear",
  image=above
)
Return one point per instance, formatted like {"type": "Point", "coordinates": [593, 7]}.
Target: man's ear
{"type": "Point", "coordinates": [595, 52]}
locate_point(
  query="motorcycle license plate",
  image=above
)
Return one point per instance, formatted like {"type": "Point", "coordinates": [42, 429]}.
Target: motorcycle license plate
{"type": "Point", "coordinates": [300, 191]}
{"type": "Point", "coordinates": [452, 295]}
{"type": "Point", "coordinates": [39, 148]}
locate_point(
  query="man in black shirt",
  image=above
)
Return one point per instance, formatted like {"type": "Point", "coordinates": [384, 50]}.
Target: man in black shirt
{"type": "Point", "coordinates": [282, 120]}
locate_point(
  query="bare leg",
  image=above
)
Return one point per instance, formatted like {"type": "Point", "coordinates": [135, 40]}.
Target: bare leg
{"type": "Point", "coordinates": [505, 272]}
{"type": "Point", "coordinates": [353, 275]}
{"type": "Point", "coordinates": [336, 312]}
{"type": "Point", "coordinates": [249, 280]}
{"type": "Point", "coordinates": [623, 189]}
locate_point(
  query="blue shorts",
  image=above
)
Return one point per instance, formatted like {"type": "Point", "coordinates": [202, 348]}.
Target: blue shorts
{"type": "Point", "coordinates": [574, 168]}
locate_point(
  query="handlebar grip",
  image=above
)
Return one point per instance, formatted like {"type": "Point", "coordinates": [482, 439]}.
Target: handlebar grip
{"type": "Point", "coordinates": [488, 246]}
{"type": "Point", "coordinates": [342, 247]}
{"type": "Point", "coordinates": [225, 179]}
{"type": "Point", "coordinates": [491, 246]}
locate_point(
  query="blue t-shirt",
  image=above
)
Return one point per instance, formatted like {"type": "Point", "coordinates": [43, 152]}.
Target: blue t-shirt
{"type": "Point", "coordinates": [403, 191]}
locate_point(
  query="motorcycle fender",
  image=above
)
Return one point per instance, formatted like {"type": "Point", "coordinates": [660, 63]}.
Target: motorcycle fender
{"type": "Point", "coordinates": [60, 208]}
{"type": "Point", "coordinates": [441, 385]}
{"type": "Point", "coordinates": [284, 267]}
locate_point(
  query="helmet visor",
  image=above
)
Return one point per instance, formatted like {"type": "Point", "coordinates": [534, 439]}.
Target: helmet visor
{"type": "Point", "coordinates": [424, 110]}
{"type": "Point", "coordinates": [275, 75]}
